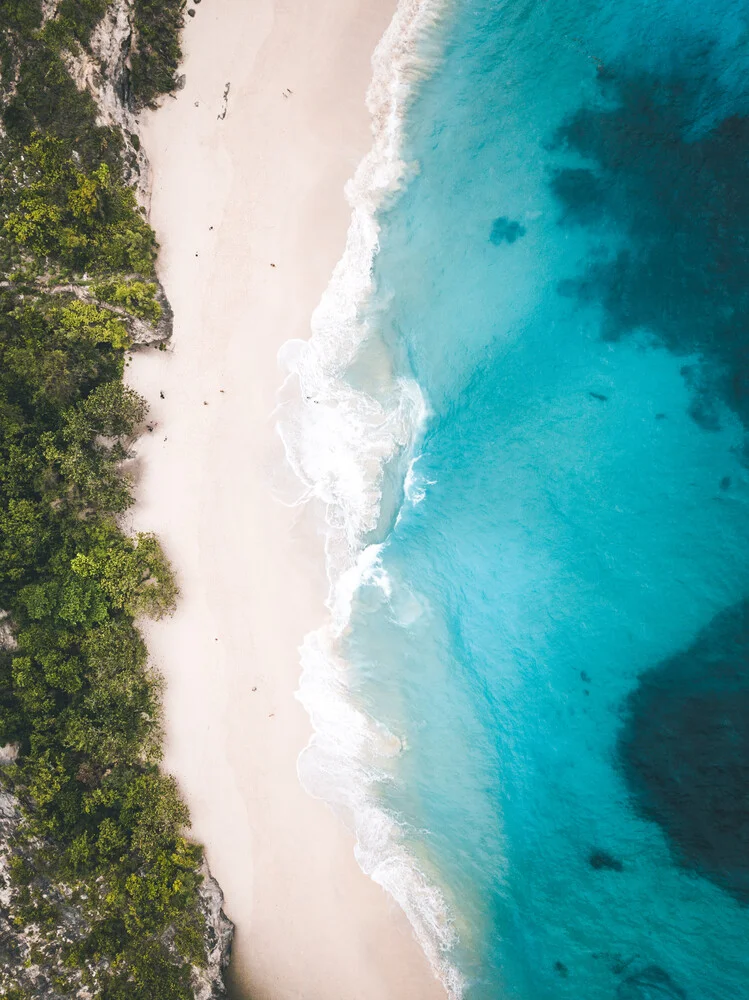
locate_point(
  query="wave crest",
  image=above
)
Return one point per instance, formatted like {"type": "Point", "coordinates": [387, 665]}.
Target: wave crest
{"type": "Point", "coordinates": [339, 440]}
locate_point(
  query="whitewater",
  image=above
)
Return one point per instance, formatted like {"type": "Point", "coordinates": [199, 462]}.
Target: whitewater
{"type": "Point", "coordinates": [342, 442]}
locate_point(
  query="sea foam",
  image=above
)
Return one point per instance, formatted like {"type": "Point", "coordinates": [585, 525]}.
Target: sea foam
{"type": "Point", "coordinates": [339, 440]}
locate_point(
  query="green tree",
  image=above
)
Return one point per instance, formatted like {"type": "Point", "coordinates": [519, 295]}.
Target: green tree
{"type": "Point", "coordinates": [85, 321]}
{"type": "Point", "coordinates": [23, 538]}
{"type": "Point", "coordinates": [139, 297]}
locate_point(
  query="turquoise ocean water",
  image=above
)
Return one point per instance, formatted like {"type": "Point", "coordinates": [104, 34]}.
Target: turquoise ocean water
{"type": "Point", "coordinates": [549, 632]}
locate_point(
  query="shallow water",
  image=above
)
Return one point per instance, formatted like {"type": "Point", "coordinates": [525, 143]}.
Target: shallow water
{"type": "Point", "coordinates": [554, 633]}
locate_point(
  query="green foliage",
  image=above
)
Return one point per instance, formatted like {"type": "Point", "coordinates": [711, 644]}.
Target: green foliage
{"type": "Point", "coordinates": [150, 976]}
{"type": "Point", "coordinates": [46, 101]}
{"type": "Point", "coordinates": [22, 538]}
{"type": "Point", "coordinates": [42, 96]}
{"type": "Point", "coordinates": [42, 369]}
{"type": "Point", "coordinates": [76, 693]}
{"type": "Point", "coordinates": [132, 573]}
{"type": "Point", "coordinates": [21, 16]}
{"type": "Point", "coordinates": [84, 321]}
{"type": "Point", "coordinates": [138, 297]}
{"type": "Point", "coordinates": [78, 18]}
{"type": "Point", "coordinates": [158, 24]}
{"type": "Point", "coordinates": [66, 218]}
{"type": "Point", "coordinates": [82, 457]}
{"type": "Point", "coordinates": [19, 21]}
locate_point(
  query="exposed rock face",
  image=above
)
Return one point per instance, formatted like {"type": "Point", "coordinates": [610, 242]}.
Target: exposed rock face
{"type": "Point", "coordinates": [7, 638]}
{"type": "Point", "coordinates": [39, 958]}
{"type": "Point", "coordinates": [14, 946]}
{"type": "Point", "coordinates": [104, 71]}
{"type": "Point", "coordinates": [141, 331]}
{"type": "Point", "coordinates": [49, 9]}
{"type": "Point", "coordinates": [27, 950]}
{"type": "Point", "coordinates": [209, 982]}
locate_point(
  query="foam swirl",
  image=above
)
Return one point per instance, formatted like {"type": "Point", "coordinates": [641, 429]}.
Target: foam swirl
{"type": "Point", "coordinates": [339, 440]}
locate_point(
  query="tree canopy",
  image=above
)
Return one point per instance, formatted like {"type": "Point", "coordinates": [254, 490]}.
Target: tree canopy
{"type": "Point", "coordinates": [102, 827]}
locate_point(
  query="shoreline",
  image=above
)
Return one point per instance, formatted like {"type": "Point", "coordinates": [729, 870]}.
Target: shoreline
{"type": "Point", "coordinates": [248, 205]}
{"type": "Point", "coordinates": [344, 441]}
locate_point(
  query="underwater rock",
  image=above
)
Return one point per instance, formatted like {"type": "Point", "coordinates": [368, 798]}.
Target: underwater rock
{"type": "Point", "coordinates": [665, 180]}
{"type": "Point", "coordinates": [603, 861]}
{"type": "Point", "coordinates": [684, 751]}
{"type": "Point", "coordinates": [504, 230]}
{"type": "Point", "coordinates": [653, 983]}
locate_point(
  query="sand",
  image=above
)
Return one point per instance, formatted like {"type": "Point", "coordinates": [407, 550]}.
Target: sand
{"type": "Point", "coordinates": [232, 194]}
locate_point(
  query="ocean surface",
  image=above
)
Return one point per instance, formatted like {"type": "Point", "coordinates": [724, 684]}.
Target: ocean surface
{"type": "Point", "coordinates": [523, 414]}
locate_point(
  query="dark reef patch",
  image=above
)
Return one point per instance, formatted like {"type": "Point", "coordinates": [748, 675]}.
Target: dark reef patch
{"type": "Point", "coordinates": [674, 188]}
{"type": "Point", "coordinates": [653, 983]}
{"type": "Point", "coordinates": [505, 230]}
{"type": "Point", "coordinates": [685, 751]}
{"type": "Point", "coordinates": [603, 861]}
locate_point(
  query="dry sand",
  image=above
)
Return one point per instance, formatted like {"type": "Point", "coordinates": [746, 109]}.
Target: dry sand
{"type": "Point", "coordinates": [231, 195]}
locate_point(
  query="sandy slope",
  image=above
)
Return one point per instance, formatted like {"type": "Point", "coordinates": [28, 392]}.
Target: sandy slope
{"type": "Point", "coordinates": [231, 195]}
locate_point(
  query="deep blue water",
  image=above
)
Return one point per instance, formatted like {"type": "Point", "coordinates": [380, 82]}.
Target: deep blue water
{"type": "Point", "coordinates": [564, 649]}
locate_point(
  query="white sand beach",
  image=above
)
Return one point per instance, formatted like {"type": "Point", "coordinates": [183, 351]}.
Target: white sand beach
{"type": "Point", "coordinates": [243, 178]}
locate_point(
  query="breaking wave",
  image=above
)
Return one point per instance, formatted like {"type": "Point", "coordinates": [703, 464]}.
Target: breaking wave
{"type": "Point", "coordinates": [340, 440]}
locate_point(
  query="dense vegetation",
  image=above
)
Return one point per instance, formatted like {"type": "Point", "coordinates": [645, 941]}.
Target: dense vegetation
{"type": "Point", "coordinates": [157, 24]}
{"type": "Point", "coordinates": [100, 834]}
{"type": "Point", "coordinates": [45, 89]}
